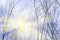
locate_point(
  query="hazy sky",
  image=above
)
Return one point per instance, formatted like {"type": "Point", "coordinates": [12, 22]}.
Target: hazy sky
{"type": "Point", "coordinates": [22, 11]}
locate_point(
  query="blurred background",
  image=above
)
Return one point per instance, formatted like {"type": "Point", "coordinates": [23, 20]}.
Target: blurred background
{"type": "Point", "coordinates": [29, 19]}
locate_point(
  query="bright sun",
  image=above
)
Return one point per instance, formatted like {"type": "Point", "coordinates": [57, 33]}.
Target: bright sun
{"type": "Point", "coordinates": [21, 24]}
{"type": "Point", "coordinates": [25, 28]}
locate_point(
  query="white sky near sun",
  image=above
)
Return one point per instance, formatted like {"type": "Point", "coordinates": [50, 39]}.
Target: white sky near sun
{"type": "Point", "coordinates": [19, 17]}
{"type": "Point", "coordinates": [21, 22]}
